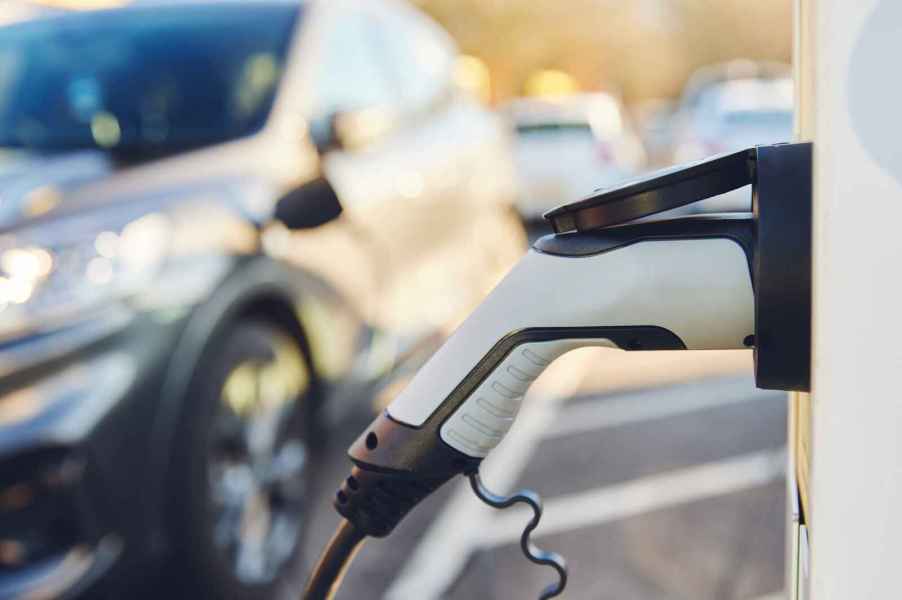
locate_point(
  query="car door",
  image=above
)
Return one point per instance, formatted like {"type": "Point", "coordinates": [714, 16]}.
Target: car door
{"type": "Point", "coordinates": [414, 178]}
{"type": "Point", "coordinates": [465, 231]}
{"type": "Point", "coordinates": [333, 74]}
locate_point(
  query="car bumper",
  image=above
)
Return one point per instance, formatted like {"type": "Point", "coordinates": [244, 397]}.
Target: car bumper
{"type": "Point", "coordinates": [64, 575]}
{"type": "Point", "coordinates": [72, 453]}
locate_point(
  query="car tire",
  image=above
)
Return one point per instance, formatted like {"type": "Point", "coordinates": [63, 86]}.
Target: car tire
{"type": "Point", "coordinates": [204, 566]}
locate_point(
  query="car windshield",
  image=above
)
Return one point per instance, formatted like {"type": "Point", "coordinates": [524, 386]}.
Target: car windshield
{"type": "Point", "coordinates": [142, 81]}
{"type": "Point", "coordinates": [559, 127]}
{"type": "Point", "coordinates": [745, 106]}
{"type": "Point", "coordinates": [770, 119]}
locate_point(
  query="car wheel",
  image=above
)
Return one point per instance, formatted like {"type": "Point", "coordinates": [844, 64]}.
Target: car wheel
{"type": "Point", "coordinates": [243, 467]}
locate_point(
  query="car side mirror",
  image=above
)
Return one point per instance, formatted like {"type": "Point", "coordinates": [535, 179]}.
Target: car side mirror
{"type": "Point", "coordinates": [326, 132]}
{"type": "Point", "coordinates": [309, 205]}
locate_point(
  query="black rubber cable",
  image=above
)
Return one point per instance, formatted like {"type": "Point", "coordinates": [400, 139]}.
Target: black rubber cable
{"type": "Point", "coordinates": [326, 577]}
{"type": "Point", "coordinates": [530, 550]}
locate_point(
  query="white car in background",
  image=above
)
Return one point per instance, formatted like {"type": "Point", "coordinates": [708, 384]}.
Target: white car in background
{"type": "Point", "coordinates": [731, 107]}
{"type": "Point", "coordinates": [569, 146]}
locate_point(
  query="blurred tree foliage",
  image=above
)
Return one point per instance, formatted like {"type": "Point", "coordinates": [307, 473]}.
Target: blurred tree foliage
{"type": "Point", "coordinates": [637, 48]}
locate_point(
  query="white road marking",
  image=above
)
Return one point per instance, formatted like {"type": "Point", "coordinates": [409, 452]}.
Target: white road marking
{"type": "Point", "coordinates": [657, 403]}
{"type": "Point", "coordinates": [612, 503]}
{"type": "Point", "coordinates": [456, 533]}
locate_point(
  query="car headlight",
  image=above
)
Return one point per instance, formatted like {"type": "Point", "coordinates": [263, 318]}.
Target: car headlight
{"type": "Point", "coordinates": [56, 272]}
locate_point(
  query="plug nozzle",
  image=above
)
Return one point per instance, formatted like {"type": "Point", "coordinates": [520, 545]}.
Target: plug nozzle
{"type": "Point", "coordinates": [395, 467]}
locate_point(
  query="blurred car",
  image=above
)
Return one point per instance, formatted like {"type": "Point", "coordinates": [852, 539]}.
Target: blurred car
{"type": "Point", "coordinates": [655, 123]}
{"type": "Point", "coordinates": [569, 146]}
{"type": "Point", "coordinates": [730, 107]}
{"type": "Point", "coordinates": [181, 305]}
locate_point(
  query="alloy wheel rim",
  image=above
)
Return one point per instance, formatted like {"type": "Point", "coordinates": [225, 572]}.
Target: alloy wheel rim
{"type": "Point", "coordinates": [257, 467]}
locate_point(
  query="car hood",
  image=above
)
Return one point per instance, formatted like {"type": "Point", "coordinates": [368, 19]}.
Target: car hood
{"type": "Point", "coordinates": [32, 185]}
{"type": "Point", "coordinates": [41, 186]}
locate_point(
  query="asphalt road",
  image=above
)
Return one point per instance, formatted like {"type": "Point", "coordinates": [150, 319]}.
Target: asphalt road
{"type": "Point", "coordinates": [662, 476]}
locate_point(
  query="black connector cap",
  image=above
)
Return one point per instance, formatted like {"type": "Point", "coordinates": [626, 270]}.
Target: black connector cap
{"type": "Point", "coordinates": [656, 192]}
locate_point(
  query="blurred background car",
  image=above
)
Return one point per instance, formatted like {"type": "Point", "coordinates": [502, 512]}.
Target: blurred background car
{"type": "Point", "coordinates": [568, 146]}
{"type": "Point", "coordinates": [729, 107]}
{"type": "Point", "coordinates": [654, 122]}
{"type": "Point", "coordinates": [171, 357]}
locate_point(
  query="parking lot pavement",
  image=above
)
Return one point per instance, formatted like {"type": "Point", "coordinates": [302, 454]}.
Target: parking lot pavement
{"type": "Point", "coordinates": [662, 476]}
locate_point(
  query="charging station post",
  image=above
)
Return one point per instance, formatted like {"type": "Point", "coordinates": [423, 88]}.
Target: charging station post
{"type": "Point", "coordinates": [845, 442]}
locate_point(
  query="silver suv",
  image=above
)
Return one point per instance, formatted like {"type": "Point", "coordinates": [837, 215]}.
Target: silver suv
{"type": "Point", "coordinates": [217, 220]}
